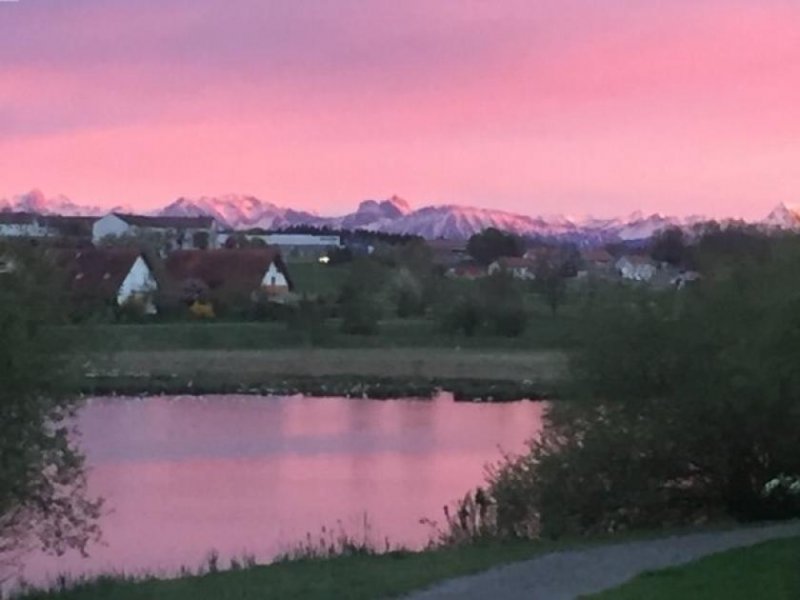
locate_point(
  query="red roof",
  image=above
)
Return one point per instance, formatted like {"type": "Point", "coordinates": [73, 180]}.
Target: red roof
{"type": "Point", "coordinates": [597, 255]}
{"type": "Point", "coordinates": [97, 271]}
{"type": "Point", "coordinates": [231, 270]}
{"type": "Point", "coordinates": [167, 222]}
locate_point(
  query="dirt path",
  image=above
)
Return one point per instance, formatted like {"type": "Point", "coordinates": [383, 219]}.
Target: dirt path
{"type": "Point", "coordinates": [568, 575]}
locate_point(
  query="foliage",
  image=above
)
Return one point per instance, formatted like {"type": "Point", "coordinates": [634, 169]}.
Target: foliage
{"type": "Point", "coordinates": [491, 244]}
{"type": "Point", "coordinates": [360, 305]}
{"type": "Point", "coordinates": [669, 246]}
{"type": "Point", "coordinates": [43, 500]}
{"type": "Point", "coordinates": [459, 311]}
{"type": "Point", "coordinates": [200, 309]}
{"type": "Point", "coordinates": [503, 305]}
{"type": "Point", "coordinates": [552, 269]}
{"type": "Point", "coordinates": [684, 405]}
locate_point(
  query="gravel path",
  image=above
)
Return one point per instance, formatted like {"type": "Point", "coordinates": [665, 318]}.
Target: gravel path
{"type": "Point", "coordinates": [567, 575]}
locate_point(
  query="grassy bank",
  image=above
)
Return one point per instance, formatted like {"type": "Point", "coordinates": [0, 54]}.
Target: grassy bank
{"type": "Point", "coordinates": [769, 571]}
{"type": "Point", "coordinates": [378, 373]}
{"type": "Point", "coordinates": [361, 577]}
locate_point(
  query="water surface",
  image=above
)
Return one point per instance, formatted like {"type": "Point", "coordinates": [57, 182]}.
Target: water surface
{"type": "Point", "coordinates": [239, 474]}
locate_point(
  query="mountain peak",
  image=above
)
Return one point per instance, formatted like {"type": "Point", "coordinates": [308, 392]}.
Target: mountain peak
{"type": "Point", "coordinates": [783, 216]}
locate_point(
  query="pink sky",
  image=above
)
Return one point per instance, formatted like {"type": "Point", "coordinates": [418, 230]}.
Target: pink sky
{"type": "Point", "coordinates": [546, 106]}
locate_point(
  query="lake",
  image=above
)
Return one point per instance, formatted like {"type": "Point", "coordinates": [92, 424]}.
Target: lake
{"type": "Point", "coordinates": [183, 475]}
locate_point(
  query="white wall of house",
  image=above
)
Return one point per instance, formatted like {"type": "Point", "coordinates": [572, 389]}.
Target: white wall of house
{"type": "Point", "coordinates": [110, 225]}
{"type": "Point", "coordinates": [139, 282]}
{"type": "Point", "coordinates": [302, 239]}
{"type": "Point", "coordinates": [22, 230]}
{"type": "Point", "coordinates": [635, 271]}
{"type": "Point", "coordinates": [274, 278]}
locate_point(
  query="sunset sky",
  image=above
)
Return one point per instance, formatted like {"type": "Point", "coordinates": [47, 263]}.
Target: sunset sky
{"type": "Point", "coordinates": [534, 106]}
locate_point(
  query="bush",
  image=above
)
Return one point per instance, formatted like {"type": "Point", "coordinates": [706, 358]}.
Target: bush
{"type": "Point", "coordinates": [683, 407]}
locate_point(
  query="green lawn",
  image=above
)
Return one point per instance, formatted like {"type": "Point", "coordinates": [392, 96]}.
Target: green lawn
{"type": "Point", "coordinates": [543, 332]}
{"type": "Point", "coordinates": [769, 571]}
{"type": "Point", "coordinates": [317, 279]}
{"type": "Point", "coordinates": [348, 578]}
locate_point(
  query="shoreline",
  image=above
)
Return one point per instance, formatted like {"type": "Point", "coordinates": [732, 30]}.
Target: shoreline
{"type": "Point", "coordinates": [384, 373]}
{"type": "Point", "coordinates": [347, 386]}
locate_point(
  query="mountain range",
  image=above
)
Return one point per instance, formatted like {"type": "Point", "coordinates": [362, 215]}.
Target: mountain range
{"type": "Point", "coordinates": [395, 215]}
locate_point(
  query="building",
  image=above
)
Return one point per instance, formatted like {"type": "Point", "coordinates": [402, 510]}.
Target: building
{"type": "Point", "coordinates": [109, 276]}
{"type": "Point", "coordinates": [598, 259]}
{"type": "Point", "coordinates": [636, 268]}
{"type": "Point", "coordinates": [239, 274]}
{"type": "Point", "coordinates": [295, 246]}
{"type": "Point", "coordinates": [174, 233]}
{"type": "Point", "coordinates": [518, 267]}
{"type": "Point", "coordinates": [33, 225]}
{"type": "Point", "coordinates": [21, 224]}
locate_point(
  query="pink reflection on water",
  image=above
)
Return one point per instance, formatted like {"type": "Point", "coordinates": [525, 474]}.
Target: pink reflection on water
{"type": "Point", "coordinates": [251, 474]}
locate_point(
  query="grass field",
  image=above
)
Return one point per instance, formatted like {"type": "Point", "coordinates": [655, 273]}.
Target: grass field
{"type": "Point", "coordinates": [543, 332]}
{"type": "Point", "coordinates": [769, 571]}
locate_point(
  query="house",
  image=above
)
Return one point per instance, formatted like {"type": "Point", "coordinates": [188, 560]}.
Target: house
{"type": "Point", "coordinates": [21, 224]}
{"type": "Point", "coordinates": [292, 245]}
{"type": "Point", "coordinates": [116, 276]}
{"type": "Point", "coordinates": [235, 273]}
{"type": "Point", "coordinates": [598, 259]}
{"type": "Point", "coordinates": [179, 233]}
{"type": "Point", "coordinates": [635, 267]}
{"type": "Point", "coordinates": [518, 267]}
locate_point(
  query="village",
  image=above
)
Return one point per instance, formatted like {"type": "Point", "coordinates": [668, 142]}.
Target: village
{"type": "Point", "coordinates": [124, 265]}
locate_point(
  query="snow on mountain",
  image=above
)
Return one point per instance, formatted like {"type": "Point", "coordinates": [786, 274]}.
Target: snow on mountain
{"type": "Point", "coordinates": [395, 215]}
{"type": "Point", "coordinates": [460, 222]}
{"type": "Point", "coordinates": [239, 212]}
{"type": "Point", "coordinates": [783, 217]}
{"type": "Point", "coordinates": [36, 202]}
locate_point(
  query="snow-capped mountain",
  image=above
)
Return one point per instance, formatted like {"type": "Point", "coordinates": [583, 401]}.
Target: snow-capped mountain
{"type": "Point", "coordinates": [239, 212]}
{"type": "Point", "coordinates": [36, 202]}
{"type": "Point", "coordinates": [395, 215]}
{"type": "Point", "coordinates": [783, 217]}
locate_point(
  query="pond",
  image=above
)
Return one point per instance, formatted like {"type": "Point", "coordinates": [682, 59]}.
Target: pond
{"type": "Point", "coordinates": [247, 474]}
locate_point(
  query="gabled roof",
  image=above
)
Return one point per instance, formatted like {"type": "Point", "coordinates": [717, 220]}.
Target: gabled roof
{"type": "Point", "coordinates": [166, 222]}
{"type": "Point", "coordinates": [18, 218]}
{"type": "Point", "coordinates": [230, 270]}
{"type": "Point", "coordinates": [97, 271]}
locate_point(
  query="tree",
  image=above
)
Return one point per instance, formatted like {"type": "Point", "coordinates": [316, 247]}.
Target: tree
{"type": "Point", "coordinates": [684, 406]}
{"type": "Point", "coordinates": [491, 244]}
{"type": "Point", "coordinates": [502, 304]}
{"type": "Point", "coordinates": [669, 246]}
{"type": "Point", "coordinates": [359, 302]}
{"type": "Point", "coordinates": [552, 269]}
{"type": "Point", "coordinates": [43, 497]}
